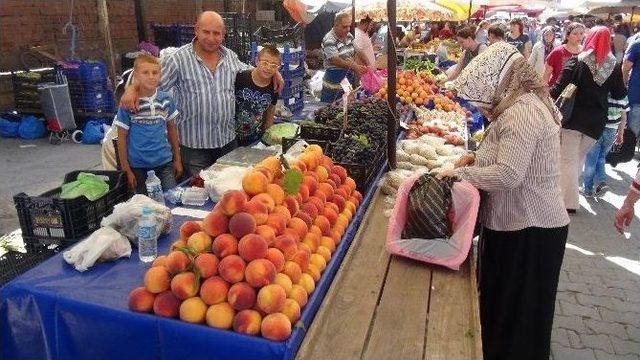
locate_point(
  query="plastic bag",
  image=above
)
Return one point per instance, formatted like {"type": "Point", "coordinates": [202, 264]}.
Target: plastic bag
{"type": "Point", "coordinates": [8, 128]}
{"type": "Point", "coordinates": [89, 185]}
{"type": "Point", "coordinates": [104, 244]}
{"type": "Point", "coordinates": [125, 217]}
{"type": "Point", "coordinates": [371, 81]}
{"type": "Point", "coordinates": [31, 128]}
{"type": "Point", "coordinates": [93, 132]}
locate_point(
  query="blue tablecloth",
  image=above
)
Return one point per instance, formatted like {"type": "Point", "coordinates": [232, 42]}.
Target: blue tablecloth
{"type": "Point", "coordinates": [55, 312]}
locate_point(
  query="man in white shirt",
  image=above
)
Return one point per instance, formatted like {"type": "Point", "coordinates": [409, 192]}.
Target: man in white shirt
{"type": "Point", "coordinates": [363, 44]}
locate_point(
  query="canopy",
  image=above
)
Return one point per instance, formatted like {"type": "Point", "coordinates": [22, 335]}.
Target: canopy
{"type": "Point", "coordinates": [406, 10]}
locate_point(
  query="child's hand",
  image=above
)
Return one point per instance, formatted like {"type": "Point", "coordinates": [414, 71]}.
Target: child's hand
{"type": "Point", "coordinates": [178, 170]}
{"type": "Point", "coordinates": [131, 180]}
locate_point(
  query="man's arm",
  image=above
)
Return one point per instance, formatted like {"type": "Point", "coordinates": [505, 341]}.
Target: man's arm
{"type": "Point", "coordinates": [268, 116]}
{"type": "Point", "coordinates": [348, 65]}
{"type": "Point", "coordinates": [172, 136]}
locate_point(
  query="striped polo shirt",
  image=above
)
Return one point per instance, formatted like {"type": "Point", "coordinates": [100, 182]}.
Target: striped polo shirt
{"type": "Point", "coordinates": [205, 98]}
{"type": "Point", "coordinates": [332, 47]}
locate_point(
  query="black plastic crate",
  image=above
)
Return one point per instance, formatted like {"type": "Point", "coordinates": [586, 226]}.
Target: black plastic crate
{"type": "Point", "coordinates": [287, 143]}
{"type": "Point", "coordinates": [319, 132]}
{"type": "Point", "coordinates": [362, 174]}
{"type": "Point", "coordinates": [49, 220]}
{"type": "Point", "coordinates": [13, 263]}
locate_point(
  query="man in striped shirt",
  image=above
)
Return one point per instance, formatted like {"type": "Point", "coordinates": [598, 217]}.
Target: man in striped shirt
{"type": "Point", "coordinates": [201, 77]}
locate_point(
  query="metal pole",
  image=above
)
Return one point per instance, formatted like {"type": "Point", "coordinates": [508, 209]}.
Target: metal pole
{"type": "Point", "coordinates": [353, 17]}
{"type": "Point", "coordinates": [103, 20]}
{"type": "Point", "coordinates": [391, 82]}
{"type": "Point", "coordinates": [140, 23]}
{"type": "Point", "coordinates": [470, 5]}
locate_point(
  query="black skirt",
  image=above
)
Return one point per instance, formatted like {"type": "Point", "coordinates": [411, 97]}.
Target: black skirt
{"type": "Point", "coordinates": [519, 273]}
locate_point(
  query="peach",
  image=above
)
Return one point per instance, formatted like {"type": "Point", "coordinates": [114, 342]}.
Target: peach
{"type": "Point", "coordinates": [324, 252]}
{"type": "Point", "coordinates": [306, 218]}
{"type": "Point", "coordinates": [318, 202]}
{"type": "Point", "coordinates": [157, 279]}
{"type": "Point", "coordinates": [326, 189]}
{"type": "Point", "coordinates": [331, 215]}
{"type": "Point", "coordinates": [312, 240]}
{"type": "Point", "coordinates": [309, 209]}
{"type": "Point", "coordinates": [276, 327]}
{"type": "Point", "coordinates": [327, 162]}
{"type": "Point", "coordinates": [268, 173]}
{"type": "Point", "coordinates": [184, 285]}
{"type": "Point", "coordinates": [303, 190]}
{"type": "Point", "coordinates": [333, 186]}
{"type": "Point", "coordinates": [342, 220]}
{"type": "Point", "coordinates": [293, 233]}
{"type": "Point", "coordinates": [265, 199]}
{"type": "Point", "coordinates": [177, 261]}
{"type": "Point", "coordinates": [193, 310]}
{"type": "Point", "coordinates": [293, 271]}
{"type": "Point", "coordinates": [351, 204]}
{"type": "Point", "coordinates": [302, 259]}
{"type": "Point", "coordinates": [258, 210]}
{"type": "Point", "coordinates": [348, 213]}
{"type": "Point", "coordinates": [319, 261]}
{"type": "Point", "coordinates": [316, 230]}
{"type": "Point", "coordinates": [159, 261]}
{"type": "Point", "coordinates": [292, 310]}
{"type": "Point", "coordinates": [254, 183]}
{"type": "Point", "coordinates": [323, 174]}
{"type": "Point", "coordinates": [200, 242]}
{"type": "Point", "coordinates": [232, 202]}
{"type": "Point", "coordinates": [314, 272]}
{"type": "Point", "coordinates": [299, 225]}
{"type": "Point", "coordinates": [282, 211]}
{"type": "Point", "coordinates": [357, 195]}
{"type": "Point", "coordinates": [336, 235]}
{"type": "Point", "coordinates": [298, 165]}
{"type": "Point", "coordinates": [276, 193]}
{"type": "Point", "coordinates": [189, 228]}
{"type": "Point", "coordinates": [207, 265]}
{"type": "Point", "coordinates": [166, 305]}
{"type": "Point", "coordinates": [307, 282]}
{"type": "Point", "coordinates": [242, 224]}
{"type": "Point", "coordinates": [338, 200]}
{"type": "Point", "coordinates": [178, 244]}
{"type": "Point", "coordinates": [287, 245]}
{"type": "Point", "coordinates": [276, 257]}
{"type": "Point", "coordinates": [340, 171]}
{"type": "Point", "coordinates": [311, 183]}
{"type": "Point", "coordinates": [351, 184]}
{"type": "Point", "coordinates": [346, 188]}
{"type": "Point", "coordinates": [224, 245]}
{"type": "Point", "coordinates": [336, 180]}
{"type": "Point", "coordinates": [305, 247]}
{"type": "Point", "coordinates": [232, 268]}
{"type": "Point", "coordinates": [215, 223]}
{"type": "Point", "coordinates": [323, 223]}
{"type": "Point", "coordinates": [141, 300]}
{"type": "Point", "coordinates": [310, 160]}
{"type": "Point", "coordinates": [314, 148]}
{"type": "Point", "coordinates": [267, 233]}
{"type": "Point", "coordinates": [292, 204]}
{"type": "Point", "coordinates": [342, 192]}
{"type": "Point", "coordinates": [251, 247]}
{"type": "Point", "coordinates": [323, 198]}
{"type": "Point", "coordinates": [284, 281]}
{"type": "Point", "coordinates": [241, 296]}
{"type": "Point", "coordinates": [328, 242]}
{"type": "Point", "coordinates": [331, 206]}
{"type": "Point", "coordinates": [272, 163]}
{"type": "Point", "coordinates": [247, 322]}
{"type": "Point", "coordinates": [299, 294]}
{"type": "Point", "coordinates": [214, 290]}
{"type": "Point", "coordinates": [260, 272]}
{"type": "Point", "coordinates": [271, 298]}
{"type": "Point", "coordinates": [220, 316]}
{"type": "Point", "coordinates": [277, 222]}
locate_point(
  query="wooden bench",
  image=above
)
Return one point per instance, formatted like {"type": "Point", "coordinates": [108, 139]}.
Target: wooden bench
{"type": "Point", "coordinates": [387, 307]}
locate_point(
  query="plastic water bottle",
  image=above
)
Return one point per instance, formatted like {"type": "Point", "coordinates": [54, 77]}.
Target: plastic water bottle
{"type": "Point", "coordinates": [154, 187]}
{"type": "Point", "coordinates": [147, 237]}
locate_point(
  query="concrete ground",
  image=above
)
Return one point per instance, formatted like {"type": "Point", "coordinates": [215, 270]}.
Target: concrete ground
{"type": "Point", "coordinates": [598, 303]}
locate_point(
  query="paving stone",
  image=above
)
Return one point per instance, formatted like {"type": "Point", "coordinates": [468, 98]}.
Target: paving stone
{"type": "Point", "coordinates": [623, 347]}
{"type": "Point", "coordinates": [575, 287]}
{"type": "Point", "coordinates": [607, 291]}
{"type": "Point", "coordinates": [633, 333]}
{"type": "Point", "coordinates": [563, 276]}
{"type": "Point", "coordinates": [560, 352]}
{"type": "Point", "coordinates": [574, 340]}
{"type": "Point", "coordinates": [585, 279]}
{"type": "Point", "coordinates": [601, 342]}
{"type": "Point", "coordinates": [598, 301]}
{"type": "Point", "coordinates": [570, 323]}
{"type": "Point", "coordinates": [602, 355]}
{"type": "Point", "coordinates": [603, 327]}
{"type": "Point", "coordinates": [560, 336]}
{"type": "Point", "coordinates": [579, 310]}
{"type": "Point", "coordinates": [621, 305]}
{"type": "Point", "coordinates": [632, 295]}
{"type": "Point", "coordinates": [620, 317]}
{"type": "Point", "coordinates": [567, 296]}
{"type": "Point", "coordinates": [624, 284]}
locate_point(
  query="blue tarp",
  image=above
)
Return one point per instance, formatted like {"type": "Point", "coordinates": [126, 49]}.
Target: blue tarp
{"type": "Point", "coordinates": [55, 312]}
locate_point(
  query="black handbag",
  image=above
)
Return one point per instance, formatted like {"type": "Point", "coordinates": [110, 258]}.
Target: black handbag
{"type": "Point", "coordinates": [567, 98]}
{"type": "Point", "coordinates": [625, 152]}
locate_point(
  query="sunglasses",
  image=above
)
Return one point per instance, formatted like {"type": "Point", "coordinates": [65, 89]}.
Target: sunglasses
{"type": "Point", "coordinates": [268, 64]}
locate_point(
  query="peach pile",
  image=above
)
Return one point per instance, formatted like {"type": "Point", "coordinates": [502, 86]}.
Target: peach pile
{"type": "Point", "coordinates": [253, 262]}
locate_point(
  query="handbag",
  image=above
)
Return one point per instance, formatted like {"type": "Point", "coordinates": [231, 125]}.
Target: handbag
{"type": "Point", "coordinates": [567, 98]}
{"type": "Point", "coordinates": [623, 153]}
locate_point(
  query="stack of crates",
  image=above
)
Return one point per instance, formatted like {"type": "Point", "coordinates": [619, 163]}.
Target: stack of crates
{"type": "Point", "coordinates": [88, 86]}
{"type": "Point", "coordinates": [25, 89]}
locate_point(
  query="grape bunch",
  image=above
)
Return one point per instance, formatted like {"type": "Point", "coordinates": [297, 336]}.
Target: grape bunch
{"type": "Point", "coordinates": [351, 150]}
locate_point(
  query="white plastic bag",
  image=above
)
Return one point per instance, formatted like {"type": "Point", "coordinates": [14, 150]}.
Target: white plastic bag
{"type": "Point", "coordinates": [125, 216]}
{"type": "Point", "coordinates": [104, 244]}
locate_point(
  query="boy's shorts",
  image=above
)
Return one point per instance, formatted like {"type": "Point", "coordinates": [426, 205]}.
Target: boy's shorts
{"type": "Point", "coordinates": [163, 172]}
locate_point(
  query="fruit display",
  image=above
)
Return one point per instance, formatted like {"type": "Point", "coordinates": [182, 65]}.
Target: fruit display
{"type": "Point", "coordinates": [253, 262]}
{"type": "Point", "coordinates": [451, 126]}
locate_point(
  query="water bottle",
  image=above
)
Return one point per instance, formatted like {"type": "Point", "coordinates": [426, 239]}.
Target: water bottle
{"type": "Point", "coordinates": [147, 237]}
{"type": "Point", "coordinates": [154, 187]}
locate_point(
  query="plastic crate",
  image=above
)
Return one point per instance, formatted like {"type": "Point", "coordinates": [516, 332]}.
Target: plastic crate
{"type": "Point", "coordinates": [362, 174]}
{"type": "Point", "coordinates": [13, 263]}
{"type": "Point", "coordinates": [47, 219]}
{"type": "Point", "coordinates": [292, 88]}
{"type": "Point", "coordinates": [288, 55]}
{"type": "Point", "coordinates": [319, 132]}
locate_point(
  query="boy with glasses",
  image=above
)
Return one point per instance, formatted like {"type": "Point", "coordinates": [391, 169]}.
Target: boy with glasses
{"type": "Point", "coordinates": [256, 97]}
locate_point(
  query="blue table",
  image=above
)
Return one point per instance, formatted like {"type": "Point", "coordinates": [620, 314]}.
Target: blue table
{"type": "Point", "coordinates": [55, 312]}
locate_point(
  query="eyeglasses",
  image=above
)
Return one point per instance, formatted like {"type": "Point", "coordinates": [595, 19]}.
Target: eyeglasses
{"type": "Point", "coordinates": [268, 65]}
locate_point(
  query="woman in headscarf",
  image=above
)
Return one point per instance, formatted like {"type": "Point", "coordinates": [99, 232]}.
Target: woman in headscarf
{"type": "Point", "coordinates": [542, 49]}
{"type": "Point", "coordinates": [524, 224]}
{"type": "Point", "coordinates": [571, 46]}
{"type": "Point", "coordinates": [595, 73]}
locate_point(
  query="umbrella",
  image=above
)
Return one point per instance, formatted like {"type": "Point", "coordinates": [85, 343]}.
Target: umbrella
{"type": "Point", "coordinates": [406, 10]}
{"type": "Point", "coordinates": [617, 9]}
